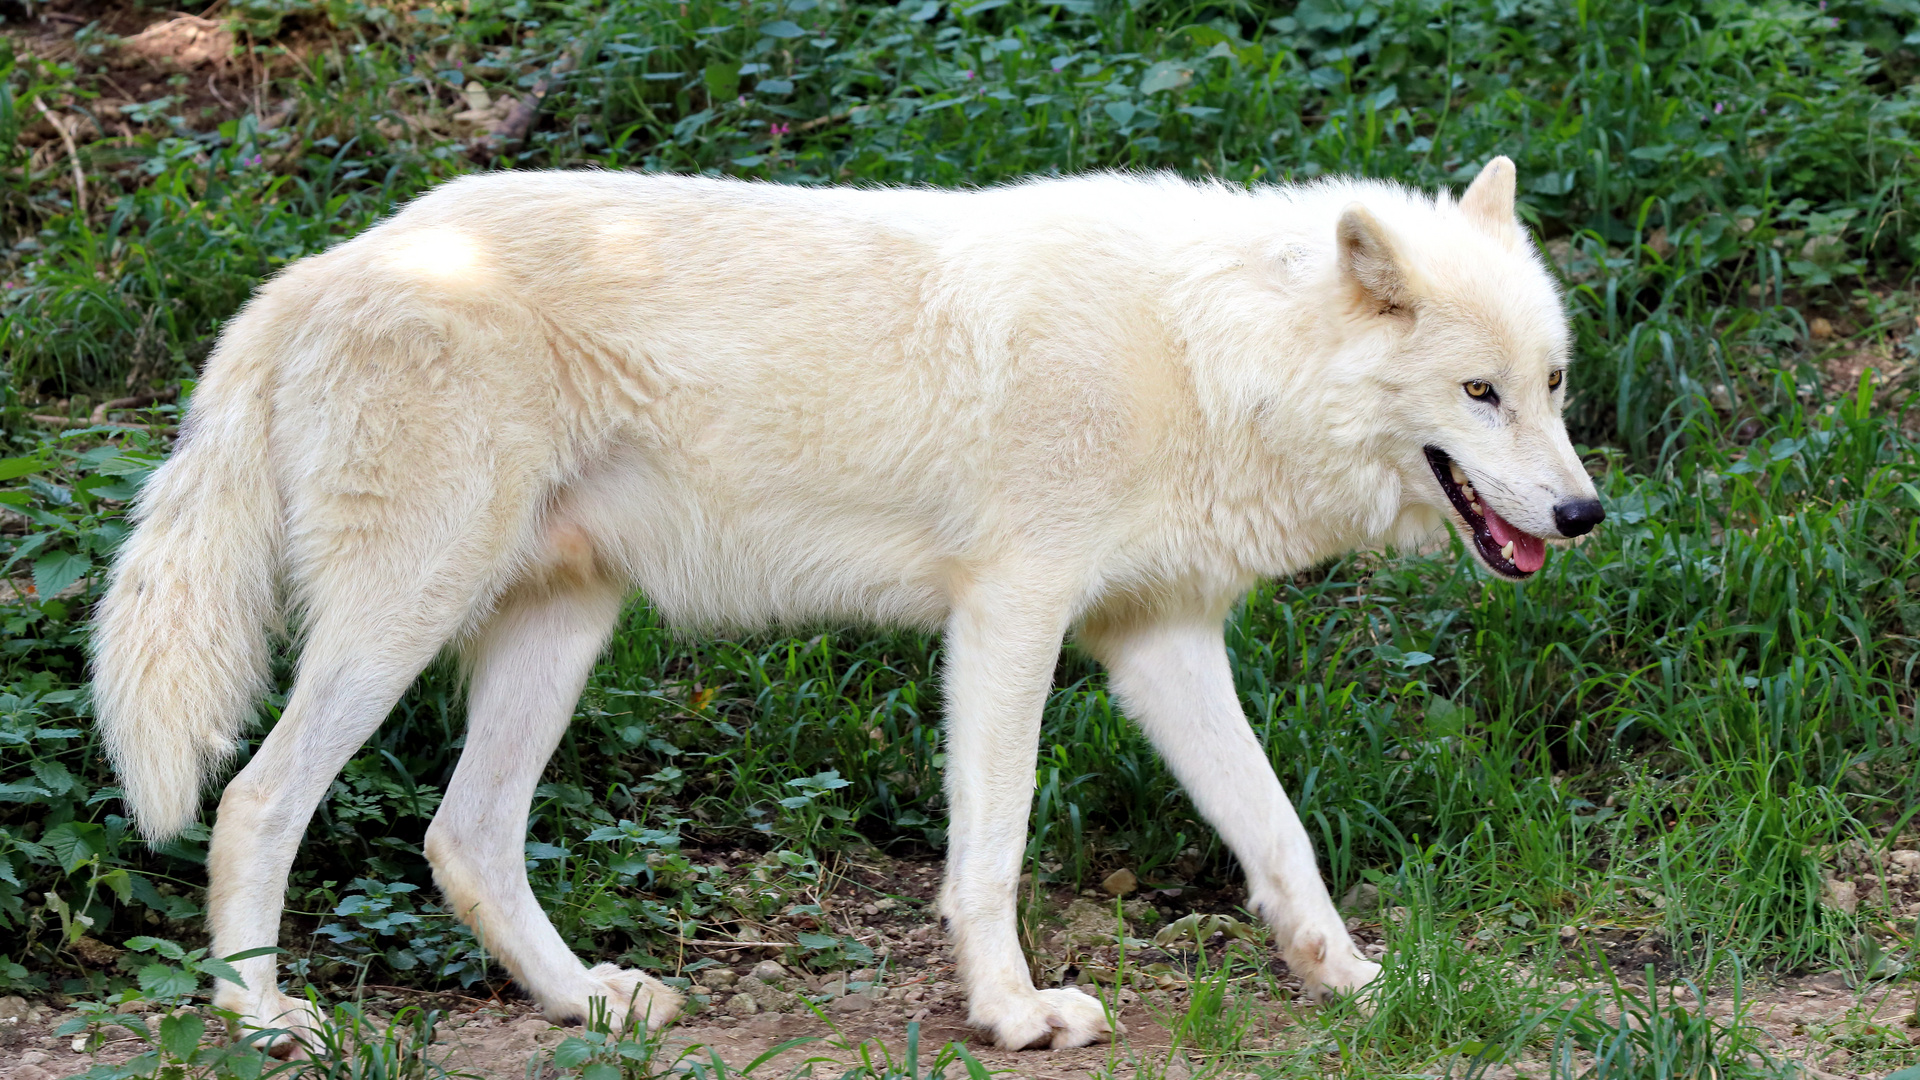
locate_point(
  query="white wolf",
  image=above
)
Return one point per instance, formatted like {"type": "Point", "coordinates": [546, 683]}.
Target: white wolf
{"type": "Point", "coordinates": [1101, 406]}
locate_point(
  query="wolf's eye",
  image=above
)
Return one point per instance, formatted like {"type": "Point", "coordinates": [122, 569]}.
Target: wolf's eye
{"type": "Point", "coordinates": [1479, 390]}
{"type": "Point", "coordinates": [1555, 378]}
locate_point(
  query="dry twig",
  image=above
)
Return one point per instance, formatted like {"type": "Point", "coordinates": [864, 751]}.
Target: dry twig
{"type": "Point", "coordinates": [70, 422]}
{"type": "Point", "coordinates": [151, 397]}
{"type": "Point", "coordinates": [73, 156]}
{"type": "Point", "coordinates": [518, 123]}
{"type": "Point", "coordinates": [820, 122]}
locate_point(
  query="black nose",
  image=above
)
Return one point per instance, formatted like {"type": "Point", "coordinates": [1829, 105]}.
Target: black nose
{"type": "Point", "coordinates": [1577, 517]}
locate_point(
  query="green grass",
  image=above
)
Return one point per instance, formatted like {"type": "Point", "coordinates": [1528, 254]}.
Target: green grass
{"type": "Point", "coordinates": [1684, 726]}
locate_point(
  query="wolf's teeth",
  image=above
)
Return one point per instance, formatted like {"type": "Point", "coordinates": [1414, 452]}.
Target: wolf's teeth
{"type": "Point", "coordinates": [1476, 508]}
{"type": "Point", "coordinates": [1458, 476]}
{"type": "Point", "coordinates": [1507, 552]}
{"type": "Point", "coordinates": [1467, 490]}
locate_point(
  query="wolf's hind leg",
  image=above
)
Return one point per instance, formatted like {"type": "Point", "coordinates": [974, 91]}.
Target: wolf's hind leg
{"type": "Point", "coordinates": [529, 665]}
{"type": "Point", "coordinates": [356, 663]}
{"type": "Point", "coordinates": [1173, 679]}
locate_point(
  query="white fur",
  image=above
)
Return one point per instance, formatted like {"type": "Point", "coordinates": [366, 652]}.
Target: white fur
{"type": "Point", "coordinates": [1103, 405]}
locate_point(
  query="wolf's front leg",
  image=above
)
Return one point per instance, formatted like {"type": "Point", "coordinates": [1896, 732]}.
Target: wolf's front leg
{"type": "Point", "coordinates": [1001, 647]}
{"type": "Point", "coordinates": [1172, 678]}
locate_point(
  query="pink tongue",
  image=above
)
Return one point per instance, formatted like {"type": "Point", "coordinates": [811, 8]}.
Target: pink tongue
{"type": "Point", "coordinates": [1529, 552]}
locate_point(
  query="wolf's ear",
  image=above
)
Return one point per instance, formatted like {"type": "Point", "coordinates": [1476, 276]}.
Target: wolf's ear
{"type": "Point", "coordinates": [1488, 202]}
{"type": "Point", "coordinates": [1373, 264]}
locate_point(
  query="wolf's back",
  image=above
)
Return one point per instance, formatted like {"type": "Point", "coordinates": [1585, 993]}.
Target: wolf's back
{"type": "Point", "coordinates": [180, 643]}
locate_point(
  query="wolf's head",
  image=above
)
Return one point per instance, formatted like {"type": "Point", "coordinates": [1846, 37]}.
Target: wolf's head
{"type": "Point", "coordinates": [1471, 348]}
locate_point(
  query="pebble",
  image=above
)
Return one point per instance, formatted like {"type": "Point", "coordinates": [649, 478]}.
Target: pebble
{"type": "Point", "coordinates": [852, 1003]}
{"type": "Point", "coordinates": [1362, 899]}
{"type": "Point", "coordinates": [742, 1005]}
{"type": "Point", "coordinates": [1120, 882]}
{"type": "Point", "coordinates": [768, 971]}
{"type": "Point", "coordinates": [718, 978]}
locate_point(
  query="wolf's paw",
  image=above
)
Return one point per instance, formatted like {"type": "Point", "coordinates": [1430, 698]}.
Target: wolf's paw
{"type": "Point", "coordinates": [631, 996]}
{"type": "Point", "coordinates": [1055, 1019]}
{"type": "Point", "coordinates": [295, 1020]}
{"type": "Point", "coordinates": [1348, 975]}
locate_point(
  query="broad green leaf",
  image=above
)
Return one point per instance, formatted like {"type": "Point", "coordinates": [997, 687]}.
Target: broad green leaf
{"type": "Point", "coordinates": [223, 971]}
{"type": "Point", "coordinates": [26, 548]}
{"type": "Point", "coordinates": [782, 28]}
{"type": "Point", "coordinates": [723, 80]}
{"type": "Point", "coordinates": [74, 842]}
{"type": "Point", "coordinates": [156, 945]}
{"type": "Point", "coordinates": [52, 573]}
{"type": "Point", "coordinates": [165, 981]}
{"type": "Point", "coordinates": [14, 468]}
{"type": "Point", "coordinates": [118, 882]}
{"type": "Point", "coordinates": [1165, 75]}
{"type": "Point", "coordinates": [572, 1052]}
{"type": "Point", "coordinates": [180, 1035]}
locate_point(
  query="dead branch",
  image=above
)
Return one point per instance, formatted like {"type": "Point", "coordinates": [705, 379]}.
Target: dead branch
{"type": "Point", "coordinates": [820, 122]}
{"type": "Point", "coordinates": [152, 397]}
{"type": "Point", "coordinates": [70, 422]}
{"type": "Point", "coordinates": [73, 156]}
{"type": "Point", "coordinates": [518, 123]}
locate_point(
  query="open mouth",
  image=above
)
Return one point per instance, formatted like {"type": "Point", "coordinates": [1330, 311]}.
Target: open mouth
{"type": "Point", "coordinates": [1504, 548]}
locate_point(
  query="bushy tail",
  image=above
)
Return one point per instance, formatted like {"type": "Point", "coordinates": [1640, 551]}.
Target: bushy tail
{"type": "Point", "coordinates": [180, 642]}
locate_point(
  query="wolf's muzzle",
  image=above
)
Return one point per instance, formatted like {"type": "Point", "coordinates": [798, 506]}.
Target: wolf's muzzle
{"type": "Point", "coordinates": [1577, 517]}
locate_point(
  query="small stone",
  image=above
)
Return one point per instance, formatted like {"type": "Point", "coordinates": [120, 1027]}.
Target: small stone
{"type": "Point", "coordinates": [1820, 328]}
{"type": "Point", "coordinates": [863, 975]}
{"type": "Point", "coordinates": [1362, 899]}
{"type": "Point", "coordinates": [769, 997]}
{"type": "Point", "coordinates": [1842, 896]}
{"type": "Point", "coordinates": [95, 952]}
{"type": "Point", "coordinates": [1120, 882]}
{"type": "Point", "coordinates": [718, 978]}
{"type": "Point", "coordinates": [742, 1005]}
{"type": "Point", "coordinates": [1089, 924]}
{"type": "Point", "coordinates": [852, 1003]}
{"type": "Point", "coordinates": [769, 971]}
{"type": "Point", "coordinates": [1140, 912]}
{"type": "Point", "coordinates": [13, 1007]}
{"type": "Point", "coordinates": [128, 1008]}
{"type": "Point", "coordinates": [871, 909]}
{"type": "Point", "coordinates": [29, 1072]}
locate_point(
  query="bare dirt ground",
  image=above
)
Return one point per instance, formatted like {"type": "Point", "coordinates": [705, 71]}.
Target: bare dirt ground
{"type": "Point", "coordinates": [746, 1002]}
{"type": "Point", "coordinates": [500, 1041]}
